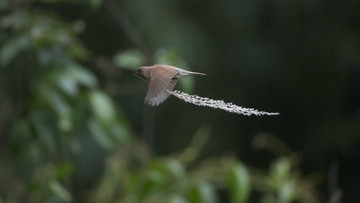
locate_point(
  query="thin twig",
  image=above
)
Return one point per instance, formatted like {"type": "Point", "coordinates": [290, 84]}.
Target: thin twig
{"type": "Point", "coordinates": [129, 29]}
{"type": "Point", "coordinates": [136, 39]}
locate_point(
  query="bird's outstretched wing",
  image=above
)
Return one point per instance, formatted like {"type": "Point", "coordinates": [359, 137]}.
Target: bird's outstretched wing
{"type": "Point", "coordinates": [159, 83]}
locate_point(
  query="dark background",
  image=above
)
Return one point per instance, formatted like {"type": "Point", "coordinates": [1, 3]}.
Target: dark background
{"type": "Point", "coordinates": [298, 58]}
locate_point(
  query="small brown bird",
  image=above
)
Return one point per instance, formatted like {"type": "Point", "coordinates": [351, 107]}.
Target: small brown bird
{"type": "Point", "coordinates": [162, 78]}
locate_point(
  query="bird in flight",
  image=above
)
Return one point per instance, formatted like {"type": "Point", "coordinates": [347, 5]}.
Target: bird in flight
{"type": "Point", "coordinates": [161, 79]}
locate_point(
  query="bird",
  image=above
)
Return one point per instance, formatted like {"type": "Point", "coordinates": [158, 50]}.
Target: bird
{"type": "Point", "coordinates": [161, 79]}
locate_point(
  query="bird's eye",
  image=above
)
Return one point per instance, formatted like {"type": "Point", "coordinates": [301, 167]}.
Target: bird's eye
{"type": "Point", "coordinates": [137, 71]}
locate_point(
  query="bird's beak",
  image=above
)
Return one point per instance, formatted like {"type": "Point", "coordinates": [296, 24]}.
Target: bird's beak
{"type": "Point", "coordinates": [136, 71]}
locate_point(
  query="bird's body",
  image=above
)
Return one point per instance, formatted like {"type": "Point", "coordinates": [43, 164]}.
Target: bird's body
{"type": "Point", "coordinates": [161, 78]}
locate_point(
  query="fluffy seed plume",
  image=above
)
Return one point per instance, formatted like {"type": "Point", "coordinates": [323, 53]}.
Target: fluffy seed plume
{"type": "Point", "coordinates": [218, 104]}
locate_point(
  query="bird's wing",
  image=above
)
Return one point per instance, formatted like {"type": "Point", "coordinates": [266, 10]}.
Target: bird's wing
{"type": "Point", "coordinates": [162, 96]}
{"type": "Point", "coordinates": [172, 84]}
{"type": "Point", "coordinates": [159, 83]}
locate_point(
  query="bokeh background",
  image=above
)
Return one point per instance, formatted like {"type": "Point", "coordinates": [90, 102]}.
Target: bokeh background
{"type": "Point", "coordinates": [74, 127]}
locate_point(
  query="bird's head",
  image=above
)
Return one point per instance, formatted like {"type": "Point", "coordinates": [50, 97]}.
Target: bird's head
{"type": "Point", "coordinates": [142, 71]}
{"type": "Point", "coordinates": [138, 71]}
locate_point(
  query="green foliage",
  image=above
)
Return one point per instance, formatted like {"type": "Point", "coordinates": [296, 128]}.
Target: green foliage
{"type": "Point", "coordinates": [170, 179]}
{"type": "Point", "coordinates": [56, 110]}
{"type": "Point", "coordinates": [129, 59]}
{"type": "Point", "coordinates": [239, 183]}
{"type": "Point", "coordinates": [59, 101]}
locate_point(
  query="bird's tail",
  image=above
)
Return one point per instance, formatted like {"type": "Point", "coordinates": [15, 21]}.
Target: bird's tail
{"type": "Point", "coordinates": [194, 73]}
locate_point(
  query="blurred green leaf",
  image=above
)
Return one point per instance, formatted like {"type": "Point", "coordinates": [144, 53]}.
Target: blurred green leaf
{"type": "Point", "coordinates": [100, 135]}
{"type": "Point", "coordinates": [269, 198]}
{"type": "Point", "coordinates": [64, 169]}
{"type": "Point", "coordinates": [161, 177]}
{"type": "Point", "coordinates": [282, 180]}
{"type": "Point", "coordinates": [102, 106]}
{"type": "Point", "coordinates": [70, 77]}
{"type": "Point", "coordinates": [280, 171]}
{"type": "Point", "coordinates": [44, 131]}
{"type": "Point", "coordinates": [54, 1]}
{"type": "Point", "coordinates": [129, 59]}
{"type": "Point", "coordinates": [170, 56]}
{"type": "Point", "coordinates": [287, 192]}
{"type": "Point", "coordinates": [177, 170]}
{"type": "Point", "coordinates": [67, 84]}
{"type": "Point", "coordinates": [50, 56]}
{"type": "Point", "coordinates": [116, 172]}
{"type": "Point", "coordinates": [12, 48]}
{"type": "Point", "coordinates": [16, 20]}
{"type": "Point", "coordinates": [60, 191]}
{"type": "Point", "coordinates": [119, 132]}
{"type": "Point", "coordinates": [62, 108]}
{"type": "Point", "coordinates": [82, 75]}
{"type": "Point", "coordinates": [239, 183]}
{"type": "Point", "coordinates": [203, 193]}
{"type": "Point", "coordinates": [95, 4]}
{"type": "Point", "coordinates": [59, 104]}
{"type": "Point", "coordinates": [21, 135]}
{"type": "Point", "coordinates": [177, 199]}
